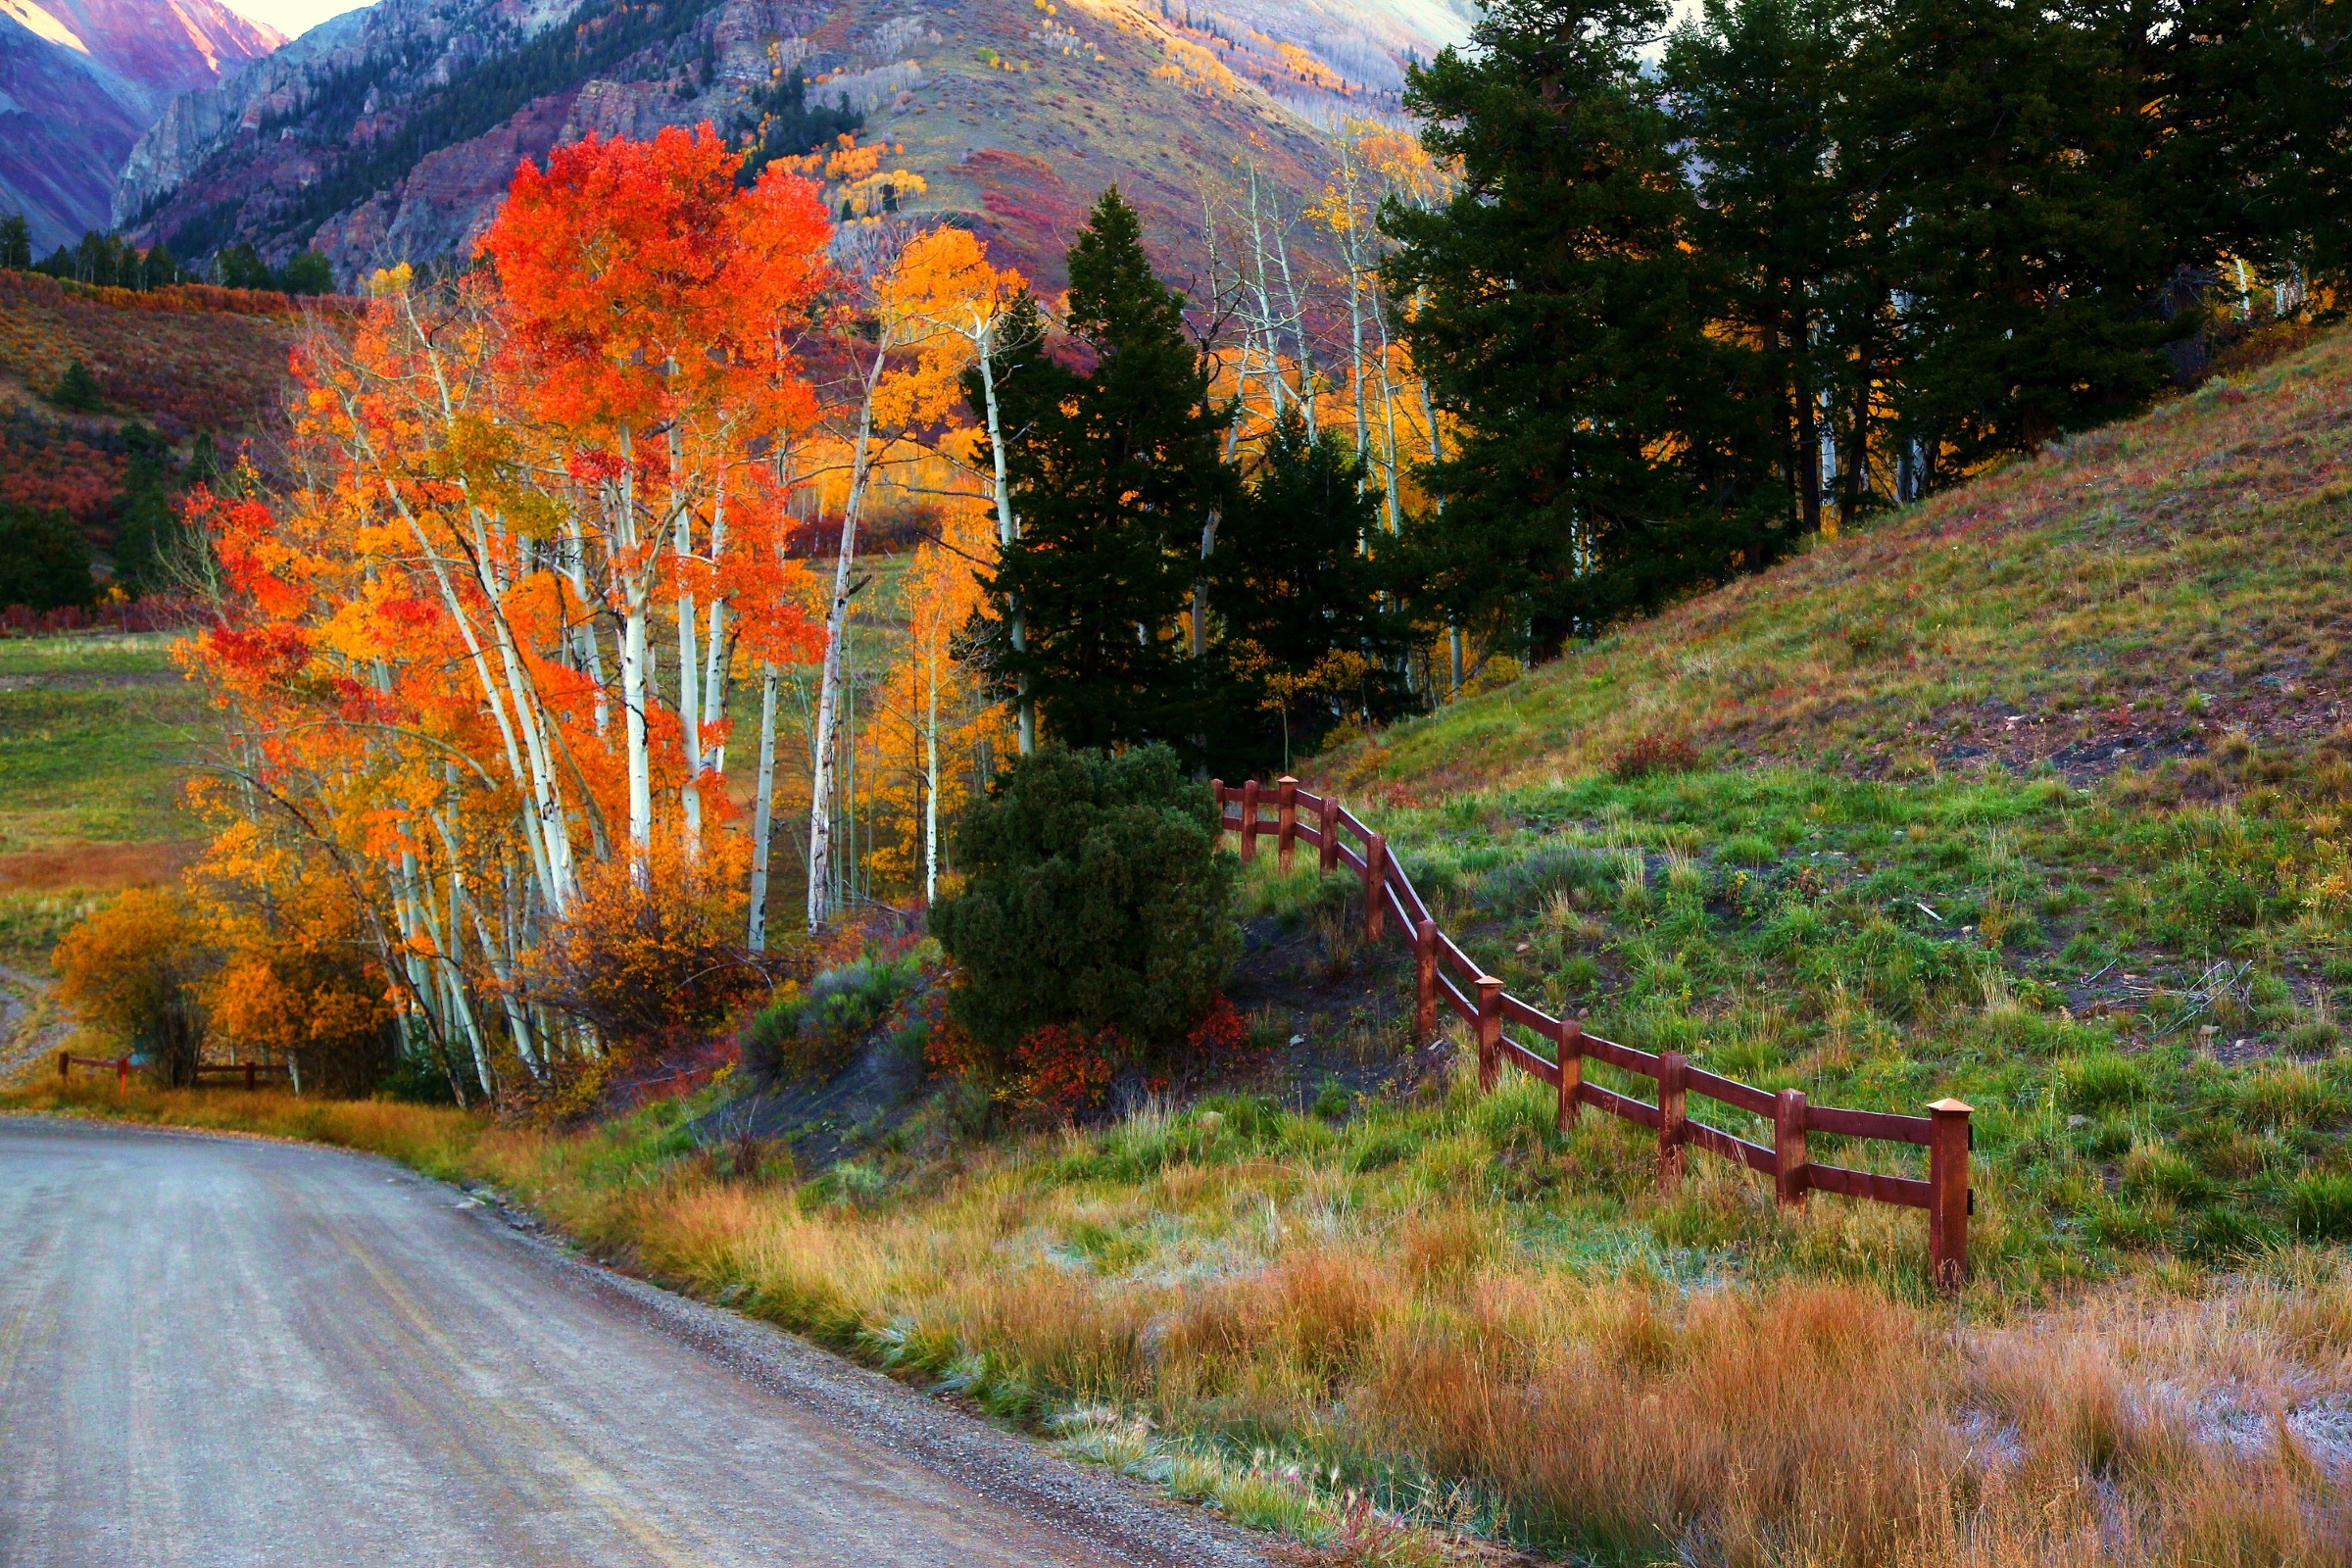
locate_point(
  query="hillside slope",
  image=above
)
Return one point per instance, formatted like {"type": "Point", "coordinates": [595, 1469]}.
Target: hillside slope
{"type": "Point", "coordinates": [2134, 593]}
{"type": "Point", "coordinates": [391, 134]}
{"type": "Point", "coordinates": [81, 82]}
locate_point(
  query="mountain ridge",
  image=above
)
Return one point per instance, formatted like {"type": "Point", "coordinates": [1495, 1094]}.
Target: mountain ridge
{"type": "Point", "coordinates": [81, 82]}
{"type": "Point", "coordinates": [365, 139]}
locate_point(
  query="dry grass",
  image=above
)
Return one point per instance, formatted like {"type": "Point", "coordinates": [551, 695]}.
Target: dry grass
{"type": "Point", "coordinates": [1267, 1330]}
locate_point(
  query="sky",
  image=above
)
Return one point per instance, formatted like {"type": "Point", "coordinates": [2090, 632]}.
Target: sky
{"type": "Point", "coordinates": [293, 17]}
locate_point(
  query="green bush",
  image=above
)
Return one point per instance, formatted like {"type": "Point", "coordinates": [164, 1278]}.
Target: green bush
{"type": "Point", "coordinates": [815, 1035]}
{"type": "Point", "coordinates": [44, 560]}
{"type": "Point", "coordinates": [1096, 899]}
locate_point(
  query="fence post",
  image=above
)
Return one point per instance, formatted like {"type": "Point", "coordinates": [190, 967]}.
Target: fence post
{"type": "Point", "coordinates": [1375, 877]}
{"type": "Point", "coordinates": [1572, 1073]}
{"type": "Point", "coordinates": [1327, 823]}
{"type": "Point", "coordinates": [122, 1074]}
{"type": "Point", "coordinates": [64, 1064]}
{"type": "Point", "coordinates": [1947, 1192]}
{"type": "Point", "coordinates": [1789, 1155]}
{"type": "Point", "coordinates": [1286, 820]}
{"type": "Point", "coordinates": [1425, 981]}
{"type": "Point", "coordinates": [1674, 1152]}
{"type": "Point", "coordinates": [248, 1078]}
{"type": "Point", "coordinates": [1490, 1031]}
{"type": "Point", "coordinates": [1216, 793]}
{"type": "Point", "coordinates": [1248, 821]}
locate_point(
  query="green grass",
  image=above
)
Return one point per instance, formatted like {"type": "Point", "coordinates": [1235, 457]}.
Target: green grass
{"type": "Point", "coordinates": [96, 738]}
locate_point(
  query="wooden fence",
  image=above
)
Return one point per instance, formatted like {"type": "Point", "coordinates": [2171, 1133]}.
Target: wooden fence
{"type": "Point", "coordinates": [120, 1066]}
{"type": "Point", "coordinates": [1444, 972]}
{"type": "Point", "coordinates": [252, 1072]}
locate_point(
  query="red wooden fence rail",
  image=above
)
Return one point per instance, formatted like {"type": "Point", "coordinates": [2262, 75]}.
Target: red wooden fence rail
{"type": "Point", "coordinates": [1444, 972]}
{"type": "Point", "coordinates": [67, 1062]}
{"type": "Point", "coordinates": [251, 1071]}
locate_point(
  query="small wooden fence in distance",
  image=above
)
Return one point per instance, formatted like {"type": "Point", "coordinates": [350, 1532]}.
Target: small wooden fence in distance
{"type": "Point", "coordinates": [252, 1072]}
{"type": "Point", "coordinates": [120, 1066]}
{"type": "Point", "coordinates": [1442, 971]}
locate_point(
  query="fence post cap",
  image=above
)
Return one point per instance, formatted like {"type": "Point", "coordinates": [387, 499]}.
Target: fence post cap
{"type": "Point", "coordinates": [1286, 779]}
{"type": "Point", "coordinates": [1951, 1107]}
{"type": "Point", "coordinates": [1487, 982]}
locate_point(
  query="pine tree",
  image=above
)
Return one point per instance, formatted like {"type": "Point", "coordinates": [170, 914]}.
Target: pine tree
{"type": "Point", "coordinates": [2255, 164]}
{"type": "Point", "coordinates": [1606, 463]}
{"type": "Point", "coordinates": [1111, 469]}
{"type": "Point", "coordinates": [1307, 629]}
{"type": "Point", "coordinates": [1756, 86]}
{"type": "Point", "coordinates": [77, 390]}
{"type": "Point", "coordinates": [2002, 138]}
{"type": "Point", "coordinates": [16, 244]}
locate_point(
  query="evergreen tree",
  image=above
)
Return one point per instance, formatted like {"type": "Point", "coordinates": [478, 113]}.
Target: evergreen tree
{"type": "Point", "coordinates": [158, 268]}
{"type": "Point", "coordinates": [16, 243]}
{"type": "Point", "coordinates": [1291, 587]}
{"type": "Point", "coordinates": [1606, 463]}
{"type": "Point", "coordinates": [1757, 88]}
{"type": "Point", "coordinates": [77, 390]}
{"type": "Point", "coordinates": [239, 265]}
{"type": "Point", "coordinates": [308, 272]}
{"type": "Point", "coordinates": [1113, 470]}
{"type": "Point", "coordinates": [2004, 140]}
{"type": "Point", "coordinates": [44, 560]}
{"type": "Point", "coordinates": [146, 528]}
{"type": "Point", "coordinates": [2255, 98]}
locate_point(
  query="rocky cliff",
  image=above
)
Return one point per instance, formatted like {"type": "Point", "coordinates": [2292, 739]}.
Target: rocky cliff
{"type": "Point", "coordinates": [391, 134]}
{"type": "Point", "coordinates": [82, 79]}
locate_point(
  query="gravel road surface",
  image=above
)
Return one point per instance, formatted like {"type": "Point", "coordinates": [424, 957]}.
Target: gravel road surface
{"type": "Point", "coordinates": [216, 1352]}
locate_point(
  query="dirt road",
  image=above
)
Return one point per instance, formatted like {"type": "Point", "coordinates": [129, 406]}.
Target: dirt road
{"type": "Point", "coordinates": [220, 1353]}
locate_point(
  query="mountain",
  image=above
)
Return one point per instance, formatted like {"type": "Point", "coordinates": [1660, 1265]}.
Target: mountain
{"type": "Point", "coordinates": [390, 135]}
{"type": "Point", "coordinates": [81, 82]}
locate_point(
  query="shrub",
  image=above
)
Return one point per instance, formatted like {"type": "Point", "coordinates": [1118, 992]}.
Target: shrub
{"type": "Point", "coordinates": [1095, 899]}
{"type": "Point", "coordinates": [44, 560]}
{"type": "Point", "coordinates": [1653, 753]}
{"type": "Point", "coordinates": [814, 1034]}
{"type": "Point", "coordinates": [128, 973]}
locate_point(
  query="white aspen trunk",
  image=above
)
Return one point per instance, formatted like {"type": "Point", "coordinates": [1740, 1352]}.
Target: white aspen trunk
{"type": "Point", "coordinates": [1297, 318]}
{"type": "Point", "coordinates": [1009, 529]}
{"type": "Point", "coordinates": [690, 696]}
{"type": "Point", "coordinates": [635, 595]}
{"type": "Point", "coordinates": [931, 786]}
{"type": "Point", "coordinates": [715, 649]}
{"type": "Point", "coordinates": [763, 810]}
{"type": "Point", "coordinates": [587, 650]}
{"type": "Point", "coordinates": [828, 700]}
{"type": "Point", "coordinates": [1388, 413]}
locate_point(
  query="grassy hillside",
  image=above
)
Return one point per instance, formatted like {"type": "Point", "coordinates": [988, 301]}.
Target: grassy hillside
{"type": "Point", "coordinates": [2135, 594]}
{"type": "Point", "coordinates": [95, 735]}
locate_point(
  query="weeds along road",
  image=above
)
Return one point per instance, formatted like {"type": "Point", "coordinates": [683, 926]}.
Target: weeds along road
{"type": "Point", "coordinates": [220, 1351]}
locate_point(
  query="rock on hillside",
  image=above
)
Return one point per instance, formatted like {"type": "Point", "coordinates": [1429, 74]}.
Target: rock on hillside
{"type": "Point", "coordinates": [82, 79]}
{"type": "Point", "coordinates": [391, 134]}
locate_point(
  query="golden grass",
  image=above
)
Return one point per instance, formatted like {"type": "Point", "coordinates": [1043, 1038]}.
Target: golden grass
{"type": "Point", "coordinates": [1273, 1334]}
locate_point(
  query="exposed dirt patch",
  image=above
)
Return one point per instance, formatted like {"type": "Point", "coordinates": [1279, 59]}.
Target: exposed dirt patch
{"type": "Point", "coordinates": [96, 866]}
